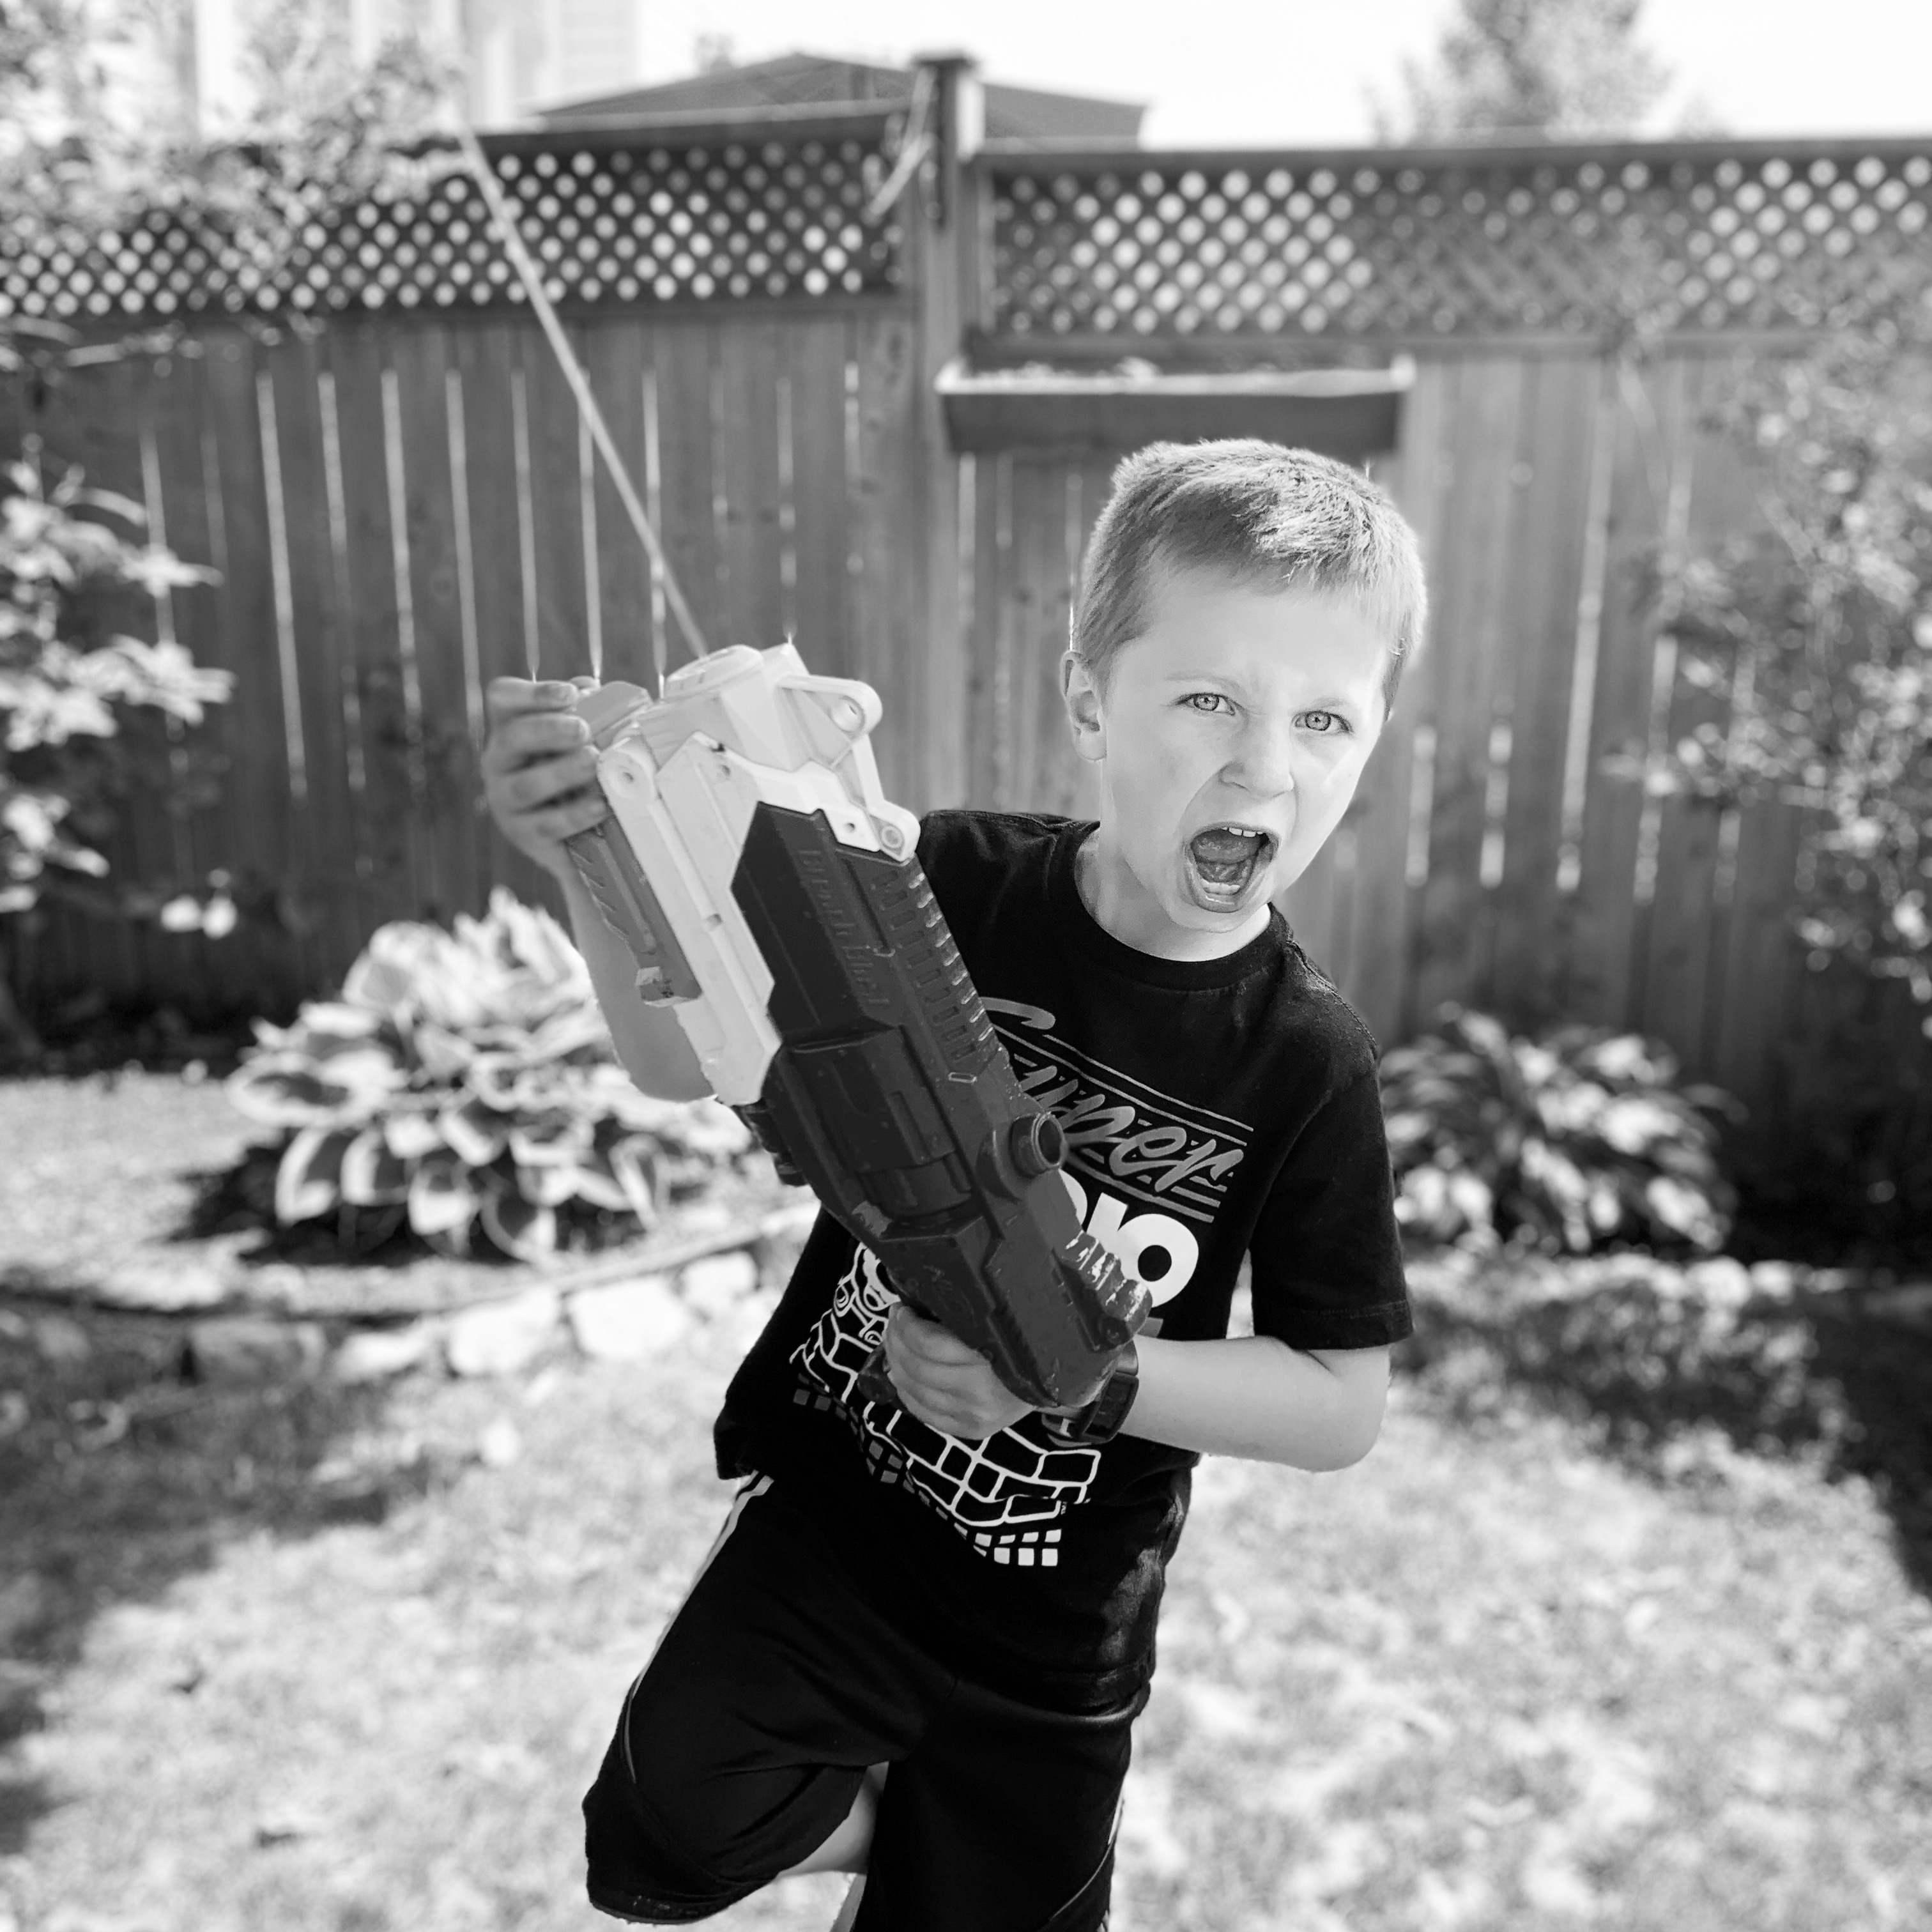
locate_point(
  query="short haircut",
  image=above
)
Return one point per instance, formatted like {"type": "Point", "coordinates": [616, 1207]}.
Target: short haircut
{"type": "Point", "coordinates": [1286, 518]}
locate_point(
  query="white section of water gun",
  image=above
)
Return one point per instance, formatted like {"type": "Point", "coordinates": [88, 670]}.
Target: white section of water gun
{"type": "Point", "coordinates": [766, 708]}
{"type": "Point", "coordinates": [674, 831]}
{"type": "Point", "coordinates": [685, 776]}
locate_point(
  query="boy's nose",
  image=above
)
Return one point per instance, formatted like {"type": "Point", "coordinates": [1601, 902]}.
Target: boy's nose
{"type": "Point", "coordinates": [1263, 762]}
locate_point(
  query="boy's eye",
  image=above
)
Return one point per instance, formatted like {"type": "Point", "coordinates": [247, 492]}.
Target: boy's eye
{"type": "Point", "coordinates": [1209, 701]}
{"type": "Point", "coordinates": [1326, 723]}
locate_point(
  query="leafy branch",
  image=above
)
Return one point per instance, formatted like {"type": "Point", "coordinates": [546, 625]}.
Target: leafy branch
{"type": "Point", "coordinates": [1816, 633]}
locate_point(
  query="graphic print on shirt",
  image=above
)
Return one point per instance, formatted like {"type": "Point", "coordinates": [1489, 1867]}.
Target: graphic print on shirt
{"type": "Point", "coordinates": [1141, 1167]}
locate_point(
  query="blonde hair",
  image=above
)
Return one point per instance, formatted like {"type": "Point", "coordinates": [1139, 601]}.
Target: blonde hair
{"type": "Point", "coordinates": [1287, 518]}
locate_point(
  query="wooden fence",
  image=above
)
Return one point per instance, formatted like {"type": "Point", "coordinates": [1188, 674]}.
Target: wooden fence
{"type": "Point", "coordinates": [404, 505]}
{"type": "Point", "coordinates": [399, 513]}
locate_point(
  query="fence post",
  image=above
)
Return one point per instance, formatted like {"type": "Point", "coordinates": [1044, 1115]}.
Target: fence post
{"type": "Point", "coordinates": [942, 220]}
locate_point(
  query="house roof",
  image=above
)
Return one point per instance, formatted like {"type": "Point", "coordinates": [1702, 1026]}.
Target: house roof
{"type": "Point", "coordinates": [810, 80]}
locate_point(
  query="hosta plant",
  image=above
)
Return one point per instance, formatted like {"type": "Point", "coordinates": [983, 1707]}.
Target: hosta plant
{"type": "Point", "coordinates": [465, 1080]}
{"type": "Point", "coordinates": [1579, 1140]}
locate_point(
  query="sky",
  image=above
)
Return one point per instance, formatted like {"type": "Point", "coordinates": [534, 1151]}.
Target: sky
{"type": "Point", "coordinates": [1303, 73]}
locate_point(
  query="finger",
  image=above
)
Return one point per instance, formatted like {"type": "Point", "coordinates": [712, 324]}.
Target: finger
{"type": "Point", "coordinates": [532, 735]}
{"type": "Point", "coordinates": [548, 781]}
{"type": "Point", "coordinates": [931, 1342]}
{"type": "Point", "coordinates": [510, 696]}
{"type": "Point", "coordinates": [565, 820]}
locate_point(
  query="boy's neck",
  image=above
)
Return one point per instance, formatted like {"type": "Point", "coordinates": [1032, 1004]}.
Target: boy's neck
{"type": "Point", "coordinates": [1118, 909]}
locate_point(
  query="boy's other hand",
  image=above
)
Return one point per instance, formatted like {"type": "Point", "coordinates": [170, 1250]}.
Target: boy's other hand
{"type": "Point", "coordinates": [944, 1382]}
{"type": "Point", "coordinates": [539, 770]}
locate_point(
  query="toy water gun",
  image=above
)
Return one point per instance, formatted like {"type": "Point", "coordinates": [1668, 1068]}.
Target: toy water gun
{"type": "Point", "coordinates": [771, 899]}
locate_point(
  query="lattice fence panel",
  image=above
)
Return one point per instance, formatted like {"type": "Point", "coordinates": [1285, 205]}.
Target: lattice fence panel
{"type": "Point", "coordinates": [725, 222]}
{"type": "Point", "coordinates": [1379, 244]}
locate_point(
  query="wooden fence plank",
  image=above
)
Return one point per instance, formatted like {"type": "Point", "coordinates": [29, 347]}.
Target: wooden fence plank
{"type": "Point", "coordinates": [815, 355]}
{"type": "Point", "coordinates": [357, 357]}
{"type": "Point", "coordinates": [745, 478]}
{"type": "Point", "coordinates": [102, 407]}
{"type": "Point", "coordinates": [1596, 945]}
{"type": "Point", "coordinates": [266, 849]}
{"type": "Point", "coordinates": [614, 359]}
{"type": "Point", "coordinates": [1485, 449]}
{"type": "Point", "coordinates": [558, 476]}
{"type": "Point", "coordinates": [1386, 903]}
{"type": "Point", "coordinates": [989, 682]}
{"type": "Point", "coordinates": [1686, 937]}
{"type": "Point", "coordinates": [1540, 620]}
{"type": "Point", "coordinates": [172, 419]}
{"type": "Point", "coordinates": [1039, 598]}
{"type": "Point", "coordinates": [681, 363]}
{"type": "Point", "coordinates": [334, 875]}
{"type": "Point", "coordinates": [484, 357]}
{"type": "Point", "coordinates": [889, 504]}
{"type": "Point", "coordinates": [446, 792]}
{"type": "Point", "coordinates": [1755, 1043]}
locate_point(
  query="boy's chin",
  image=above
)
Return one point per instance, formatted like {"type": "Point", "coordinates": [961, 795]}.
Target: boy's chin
{"type": "Point", "coordinates": [1215, 907]}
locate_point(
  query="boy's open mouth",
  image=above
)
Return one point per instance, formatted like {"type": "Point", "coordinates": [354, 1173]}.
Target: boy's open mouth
{"type": "Point", "coordinates": [1228, 858]}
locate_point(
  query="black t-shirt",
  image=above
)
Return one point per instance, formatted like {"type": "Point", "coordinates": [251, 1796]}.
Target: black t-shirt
{"type": "Point", "coordinates": [1212, 1108]}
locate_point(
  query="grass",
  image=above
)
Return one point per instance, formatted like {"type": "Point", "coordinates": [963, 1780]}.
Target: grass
{"type": "Point", "coordinates": [313, 1657]}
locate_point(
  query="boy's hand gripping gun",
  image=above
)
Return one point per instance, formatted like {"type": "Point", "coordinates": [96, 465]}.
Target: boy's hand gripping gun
{"type": "Point", "coordinates": [771, 899]}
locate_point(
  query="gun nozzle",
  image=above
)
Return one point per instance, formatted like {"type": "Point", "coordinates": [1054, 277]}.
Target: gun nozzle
{"type": "Point", "coordinates": [1036, 1143]}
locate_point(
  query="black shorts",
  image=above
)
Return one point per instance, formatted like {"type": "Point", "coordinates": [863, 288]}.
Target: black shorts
{"type": "Point", "coordinates": [743, 1745]}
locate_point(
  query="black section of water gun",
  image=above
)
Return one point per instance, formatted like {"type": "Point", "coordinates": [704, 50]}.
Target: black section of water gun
{"type": "Point", "coordinates": [892, 1097]}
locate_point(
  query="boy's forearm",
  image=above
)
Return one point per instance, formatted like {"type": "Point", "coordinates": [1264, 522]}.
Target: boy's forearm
{"type": "Point", "coordinates": [649, 1042]}
{"type": "Point", "coordinates": [1254, 1396]}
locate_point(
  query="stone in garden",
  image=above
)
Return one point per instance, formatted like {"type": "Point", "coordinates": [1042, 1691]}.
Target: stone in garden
{"type": "Point", "coordinates": [277, 1284]}
{"type": "Point", "coordinates": [165, 1286]}
{"type": "Point", "coordinates": [1776, 1280]}
{"type": "Point", "coordinates": [253, 1348]}
{"type": "Point", "coordinates": [716, 1284]}
{"type": "Point", "coordinates": [502, 1337]}
{"type": "Point", "coordinates": [62, 1340]}
{"type": "Point", "coordinates": [25, 1602]}
{"type": "Point", "coordinates": [374, 1354]}
{"type": "Point", "coordinates": [627, 1321]}
{"type": "Point", "coordinates": [1720, 1283]}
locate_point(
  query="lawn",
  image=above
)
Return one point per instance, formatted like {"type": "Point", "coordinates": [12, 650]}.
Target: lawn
{"type": "Point", "coordinates": [295, 1654]}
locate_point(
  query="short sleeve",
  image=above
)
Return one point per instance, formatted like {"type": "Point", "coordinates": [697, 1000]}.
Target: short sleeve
{"type": "Point", "coordinates": [1327, 1253]}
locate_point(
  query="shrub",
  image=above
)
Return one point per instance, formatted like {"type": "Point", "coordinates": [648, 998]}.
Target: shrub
{"type": "Point", "coordinates": [467, 1079]}
{"type": "Point", "coordinates": [1806, 643]}
{"type": "Point", "coordinates": [1574, 1142]}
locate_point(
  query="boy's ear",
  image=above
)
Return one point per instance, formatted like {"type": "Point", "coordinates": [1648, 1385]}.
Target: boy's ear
{"type": "Point", "coordinates": [1081, 698]}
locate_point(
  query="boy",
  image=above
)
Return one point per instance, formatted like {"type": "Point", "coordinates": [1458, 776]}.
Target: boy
{"type": "Point", "coordinates": [918, 1648]}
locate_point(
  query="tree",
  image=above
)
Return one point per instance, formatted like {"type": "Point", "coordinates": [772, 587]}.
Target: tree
{"type": "Point", "coordinates": [85, 703]}
{"type": "Point", "coordinates": [1529, 68]}
{"type": "Point", "coordinates": [1818, 629]}
{"type": "Point", "coordinates": [1807, 644]}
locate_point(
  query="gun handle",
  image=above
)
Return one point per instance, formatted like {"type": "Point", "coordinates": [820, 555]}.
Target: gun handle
{"type": "Point", "coordinates": [874, 1383]}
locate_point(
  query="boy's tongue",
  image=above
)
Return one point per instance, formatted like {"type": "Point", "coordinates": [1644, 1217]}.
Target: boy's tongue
{"type": "Point", "coordinates": [1224, 856]}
